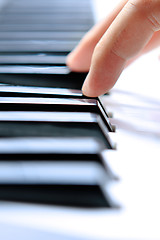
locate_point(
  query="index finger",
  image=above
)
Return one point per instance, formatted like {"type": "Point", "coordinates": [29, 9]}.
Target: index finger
{"type": "Point", "coordinates": [126, 36]}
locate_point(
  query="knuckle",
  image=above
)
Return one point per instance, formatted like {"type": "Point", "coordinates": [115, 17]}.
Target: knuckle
{"type": "Point", "coordinates": [154, 21]}
{"type": "Point", "coordinates": [150, 10]}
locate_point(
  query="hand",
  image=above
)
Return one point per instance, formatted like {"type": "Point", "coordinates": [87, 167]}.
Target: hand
{"type": "Point", "coordinates": [131, 29]}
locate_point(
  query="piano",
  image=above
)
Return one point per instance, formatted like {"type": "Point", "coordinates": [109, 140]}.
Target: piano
{"type": "Point", "coordinates": [73, 167]}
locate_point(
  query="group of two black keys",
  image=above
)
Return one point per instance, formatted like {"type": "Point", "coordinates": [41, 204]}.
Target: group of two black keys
{"type": "Point", "coordinates": [52, 138]}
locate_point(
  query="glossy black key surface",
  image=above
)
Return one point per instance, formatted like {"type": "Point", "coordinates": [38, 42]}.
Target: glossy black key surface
{"type": "Point", "coordinates": [54, 77]}
{"type": "Point", "coordinates": [63, 183]}
{"type": "Point", "coordinates": [53, 129]}
{"type": "Point", "coordinates": [56, 104]}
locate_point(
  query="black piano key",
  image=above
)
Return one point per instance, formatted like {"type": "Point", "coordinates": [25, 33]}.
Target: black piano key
{"type": "Point", "coordinates": [58, 77]}
{"type": "Point", "coordinates": [76, 184]}
{"type": "Point", "coordinates": [55, 104]}
{"type": "Point", "coordinates": [54, 124]}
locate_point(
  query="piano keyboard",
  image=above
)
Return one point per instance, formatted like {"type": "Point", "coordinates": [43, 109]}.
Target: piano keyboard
{"type": "Point", "coordinates": [65, 170]}
{"type": "Point", "coordinates": [32, 119]}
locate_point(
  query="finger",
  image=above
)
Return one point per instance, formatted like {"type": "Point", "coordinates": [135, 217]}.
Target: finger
{"type": "Point", "coordinates": [80, 58]}
{"type": "Point", "coordinates": [127, 35]}
{"type": "Point", "coordinates": [153, 43]}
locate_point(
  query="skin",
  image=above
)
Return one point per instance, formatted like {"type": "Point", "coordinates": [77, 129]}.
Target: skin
{"type": "Point", "coordinates": [133, 28]}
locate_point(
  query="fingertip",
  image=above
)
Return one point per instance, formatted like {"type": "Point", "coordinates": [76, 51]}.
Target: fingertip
{"type": "Point", "coordinates": [90, 89]}
{"type": "Point", "coordinates": [90, 92]}
{"type": "Point", "coordinates": [87, 91]}
{"type": "Point", "coordinates": [71, 63]}
{"type": "Point", "coordinates": [75, 63]}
